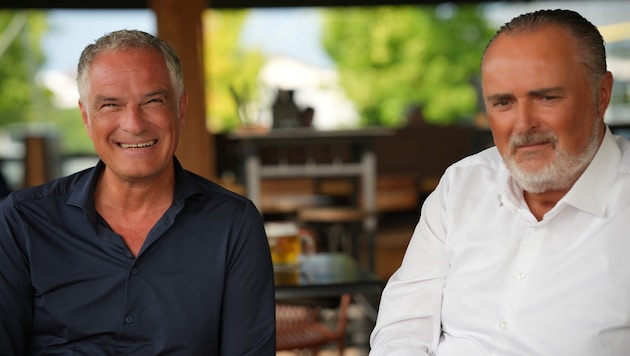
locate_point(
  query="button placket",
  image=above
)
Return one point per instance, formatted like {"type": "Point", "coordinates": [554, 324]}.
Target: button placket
{"type": "Point", "coordinates": [519, 272]}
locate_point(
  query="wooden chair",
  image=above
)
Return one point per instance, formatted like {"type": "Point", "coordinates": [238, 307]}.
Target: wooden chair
{"type": "Point", "coordinates": [298, 327]}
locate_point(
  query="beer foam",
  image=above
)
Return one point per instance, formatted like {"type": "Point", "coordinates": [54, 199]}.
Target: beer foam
{"type": "Point", "coordinates": [279, 229]}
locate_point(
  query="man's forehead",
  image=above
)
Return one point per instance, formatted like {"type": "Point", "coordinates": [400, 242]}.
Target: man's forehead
{"type": "Point", "coordinates": [548, 37]}
{"type": "Point", "coordinates": [548, 48]}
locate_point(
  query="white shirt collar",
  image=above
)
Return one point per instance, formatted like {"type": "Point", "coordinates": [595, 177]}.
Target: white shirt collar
{"type": "Point", "coordinates": [591, 191]}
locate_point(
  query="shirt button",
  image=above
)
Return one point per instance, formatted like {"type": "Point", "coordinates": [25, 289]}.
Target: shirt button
{"type": "Point", "coordinates": [503, 325]}
{"type": "Point", "coordinates": [128, 319]}
{"type": "Point", "coordinates": [134, 271]}
{"type": "Point", "coordinates": [521, 275]}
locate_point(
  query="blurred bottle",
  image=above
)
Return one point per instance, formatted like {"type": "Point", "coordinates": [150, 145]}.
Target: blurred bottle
{"type": "Point", "coordinates": [286, 114]}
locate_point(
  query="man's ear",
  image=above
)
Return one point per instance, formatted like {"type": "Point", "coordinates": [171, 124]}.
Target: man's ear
{"type": "Point", "coordinates": [605, 92]}
{"type": "Point", "coordinates": [86, 120]}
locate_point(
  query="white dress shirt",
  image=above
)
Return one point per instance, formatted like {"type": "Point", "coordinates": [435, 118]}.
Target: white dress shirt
{"type": "Point", "coordinates": [481, 276]}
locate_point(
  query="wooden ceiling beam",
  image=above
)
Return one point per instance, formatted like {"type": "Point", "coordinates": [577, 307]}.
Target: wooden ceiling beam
{"type": "Point", "coordinates": [215, 4]}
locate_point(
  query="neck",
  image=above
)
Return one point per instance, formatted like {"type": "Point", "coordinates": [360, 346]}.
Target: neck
{"type": "Point", "coordinates": [540, 203]}
{"type": "Point", "coordinates": [113, 193]}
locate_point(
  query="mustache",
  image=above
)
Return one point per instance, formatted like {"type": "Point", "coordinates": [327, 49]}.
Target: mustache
{"type": "Point", "coordinates": [531, 138]}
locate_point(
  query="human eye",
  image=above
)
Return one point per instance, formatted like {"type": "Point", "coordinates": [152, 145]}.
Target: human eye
{"type": "Point", "coordinates": [106, 103]}
{"type": "Point", "coordinates": [108, 106]}
{"type": "Point", "coordinates": [549, 97]}
{"type": "Point", "coordinates": [155, 101]}
{"type": "Point", "coordinates": [157, 98]}
{"type": "Point", "coordinates": [548, 100]}
{"type": "Point", "coordinates": [501, 103]}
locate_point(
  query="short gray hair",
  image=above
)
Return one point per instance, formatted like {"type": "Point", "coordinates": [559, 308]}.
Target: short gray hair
{"type": "Point", "coordinates": [126, 39]}
{"type": "Point", "coordinates": [588, 39]}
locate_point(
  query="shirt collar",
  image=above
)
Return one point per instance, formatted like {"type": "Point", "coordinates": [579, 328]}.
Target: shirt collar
{"type": "Point", "coordinates": [590, 192]}
{"type": "Point", "coordinates": [82, 194]}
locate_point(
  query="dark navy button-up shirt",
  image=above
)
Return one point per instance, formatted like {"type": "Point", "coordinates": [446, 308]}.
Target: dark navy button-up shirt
{"type": "Point", "coordinates": [202, 284]}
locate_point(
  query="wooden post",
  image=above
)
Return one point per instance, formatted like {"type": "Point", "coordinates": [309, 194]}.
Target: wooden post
{"type": "Point", "coordinates": [42, 159]}
{"type": "Point", "coordinates": [180, 24]}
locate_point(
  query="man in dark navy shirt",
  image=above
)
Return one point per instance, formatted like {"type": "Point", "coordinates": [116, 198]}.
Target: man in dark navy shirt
{"type": "Point", "coordinates": [135, 256]}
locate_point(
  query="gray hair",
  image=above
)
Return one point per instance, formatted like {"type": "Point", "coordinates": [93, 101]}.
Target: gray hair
{"type": "Point", "coordinates": [126, 39]}
{"type": "Point", "coordinates": [588, 39]}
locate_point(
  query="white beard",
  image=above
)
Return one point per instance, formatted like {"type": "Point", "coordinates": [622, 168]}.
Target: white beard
{"type": "Point", "coordinates": [560, 173]}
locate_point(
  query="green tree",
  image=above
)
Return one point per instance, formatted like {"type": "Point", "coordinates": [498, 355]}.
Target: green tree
{"type": "Point", "coordinates": [20, 58]}
{"type": "Point", "coordinates": [230, 69]}
{"type": "Point", "coordinates": [24, 101]}
{"type": "Point", "coordinates": [392, 57]}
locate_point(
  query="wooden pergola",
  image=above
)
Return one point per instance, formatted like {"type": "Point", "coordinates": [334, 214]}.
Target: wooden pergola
{"type": "Point", "coordinates": [179, 22]}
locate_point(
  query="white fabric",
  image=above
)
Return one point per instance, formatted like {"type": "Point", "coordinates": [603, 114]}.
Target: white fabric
{"type": "Point", "coordinates": [481, 276]}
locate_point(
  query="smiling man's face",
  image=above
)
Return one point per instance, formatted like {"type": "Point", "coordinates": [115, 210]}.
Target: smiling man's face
{"type": "Point", "coordinates": [541, 106]}
{"type": "Point", "coordinates": [131, 112]}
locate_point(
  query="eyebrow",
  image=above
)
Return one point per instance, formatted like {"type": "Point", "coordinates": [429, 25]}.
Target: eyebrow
{"type": "Point", "coordinates": [546, 91]}
{"type": "Point", "coordinates": [157, 92]}
{"type": "Point", "coordinates": [499, 97]}
{"type": "Point", "coordinates": [101, 98]}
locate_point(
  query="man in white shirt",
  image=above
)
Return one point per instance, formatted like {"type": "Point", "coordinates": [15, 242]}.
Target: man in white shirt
{"type": "Point", "coordinates": [524, 249]}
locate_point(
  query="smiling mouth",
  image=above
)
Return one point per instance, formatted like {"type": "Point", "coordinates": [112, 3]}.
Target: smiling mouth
{"type": "Point", "coordinates": [138, 145]}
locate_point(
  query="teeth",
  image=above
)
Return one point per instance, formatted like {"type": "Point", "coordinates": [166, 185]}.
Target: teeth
{"type": "Point", "coordinates": [138, 145]}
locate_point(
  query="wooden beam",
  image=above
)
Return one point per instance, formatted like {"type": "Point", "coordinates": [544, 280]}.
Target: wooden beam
{"type": "Point", "coordinates": [215, 4]}
{"type": "Point", "coordinates": [180, 24]}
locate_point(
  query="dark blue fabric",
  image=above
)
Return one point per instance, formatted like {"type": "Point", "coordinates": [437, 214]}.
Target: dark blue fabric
{"type": "Point", "coordinates": [4, 187]}
{"type": "Point", "coordinates": [201, 285]}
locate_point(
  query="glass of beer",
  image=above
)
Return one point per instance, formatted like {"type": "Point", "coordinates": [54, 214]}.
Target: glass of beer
{"type": "Point", "coordinates": [286, 243]}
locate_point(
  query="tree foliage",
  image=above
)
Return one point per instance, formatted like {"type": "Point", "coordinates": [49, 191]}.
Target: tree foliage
{"type": "Point", "coordinates": [25, 103]}
{"type": "Point", "coordinates": [230, 69]}
{"type": "Point", "coordinates": [20, 58]}
{"type": "Point", "coordinates": [392, 57]}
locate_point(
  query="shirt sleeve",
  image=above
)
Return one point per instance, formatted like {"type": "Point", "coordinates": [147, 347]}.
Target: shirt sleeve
{"type": "Point", "coordinates": [408, 321]}
{"type": "Point", "coordinates": [15, 286]}
{"type": "Point", "coordinates": [248, 322]}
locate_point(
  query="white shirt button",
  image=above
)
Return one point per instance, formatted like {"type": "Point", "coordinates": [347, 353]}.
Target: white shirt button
{"type": "Point", "coordinates": [503, 325]}
{"type": "Point", "coordinates": [521, 275]}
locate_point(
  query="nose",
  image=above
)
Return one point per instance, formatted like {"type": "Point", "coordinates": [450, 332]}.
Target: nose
{"type": "Point", "coordinates": [525, 116]}
{"type": "Point", "coordinates": [133, 120]}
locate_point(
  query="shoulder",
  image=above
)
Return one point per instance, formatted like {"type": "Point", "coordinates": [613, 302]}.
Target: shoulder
{"type": "Point", "coordinates": [488, 161]}
{"type": "Point", "coordinates": [219, 211]}
{"type": "Point", "coordinates": [57, 188]}
{"type": "Point", "coordinates": [208, 186]}
{"type": "Point", "coordinates": [206, 191]}
{"type": "Point", "coordinates": [51, 201]}
{"type": "Point", "coordinates": [473, 177]}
